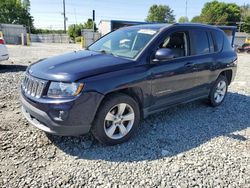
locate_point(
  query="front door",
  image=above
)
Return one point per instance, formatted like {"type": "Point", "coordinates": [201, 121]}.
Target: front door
{"type": "Point", "coordinates": [173, 80]}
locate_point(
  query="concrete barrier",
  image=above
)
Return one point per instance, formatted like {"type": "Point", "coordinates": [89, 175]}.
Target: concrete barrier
{"type": "Point", "coordinates": [50, 38]}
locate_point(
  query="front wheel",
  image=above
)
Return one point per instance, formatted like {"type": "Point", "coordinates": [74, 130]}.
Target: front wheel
{"type": "Point", "coordinates": [218, 91]}
{"type": "Point", "coordinates": [116, 120]}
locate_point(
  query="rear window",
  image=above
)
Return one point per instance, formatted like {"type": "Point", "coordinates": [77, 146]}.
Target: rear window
{"type": "Point", "coordinates": [218, 40]}
{"type": "Point", "coordinates": [229, 34]}
{"type": "Point", "coordinates": [199, 42]}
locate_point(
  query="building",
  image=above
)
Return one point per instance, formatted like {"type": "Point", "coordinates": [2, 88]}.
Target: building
{"type": "Point", "coordinates": [106, 26]}
{"type": "Point", "coordinates": [89, 36]}
{"type": "Point", "coordinates": [12, 33]}
{"type": "Point", "coordinates": [240, 38]}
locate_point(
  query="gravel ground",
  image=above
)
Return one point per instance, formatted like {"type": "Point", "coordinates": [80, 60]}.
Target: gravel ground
{"type": "Point", "coordinates": [190, 145]}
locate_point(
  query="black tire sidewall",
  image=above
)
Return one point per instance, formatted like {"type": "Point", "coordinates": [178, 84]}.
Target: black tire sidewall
{"type": "Point", "coordinates": [213, 90]}
{"type": "Point", "coordinates": [108, 103]}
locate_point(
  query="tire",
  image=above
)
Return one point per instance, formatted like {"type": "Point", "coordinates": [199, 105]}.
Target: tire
{"type": "Point", "coordinates": [109, 123]}
{"type": "Point", "coordinates": [218, 92]}
{"type": "Point", "coordinates": [248, 51]}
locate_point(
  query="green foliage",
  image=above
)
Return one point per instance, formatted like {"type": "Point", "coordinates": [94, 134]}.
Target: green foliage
{"type": "Point", "coordinates": [47, 31]}
{"type": "Point", "coordinates": [196, 19]}
{"type": "Point", "coordinates": [245, 11]}
{"type": "Point", "coordinates": [245, 15]}
{"type": "Point", "coordinates": [78, 39]}
{"type": "Point", "coordinates": [160, 14]}
{"type": "Point", "coordinates": [183, 19]}
{"type": "Point", "coordinates": [89, 25]}
{"type": "Point", "coordinates": [74, 30]}
{"type": "Point", "coordinates": [246, 25]}
{"type": "Point", "coordinates": [26, 4]}
{"type": "Point", "coordinates": [220, 13]}
{"type": "Point", "coordinates": [12, 12]}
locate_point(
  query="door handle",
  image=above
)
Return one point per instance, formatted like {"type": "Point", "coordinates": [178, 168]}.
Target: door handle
{"type": "Point", "coordinates": [189, 64]}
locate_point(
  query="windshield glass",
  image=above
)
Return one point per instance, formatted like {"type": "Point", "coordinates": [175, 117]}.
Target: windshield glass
{"type": "Point", "coordinates": [124, 43]}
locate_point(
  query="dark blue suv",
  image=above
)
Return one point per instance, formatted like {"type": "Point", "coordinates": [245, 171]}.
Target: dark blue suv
{"type": "Point", "coordinates": [126, 76]}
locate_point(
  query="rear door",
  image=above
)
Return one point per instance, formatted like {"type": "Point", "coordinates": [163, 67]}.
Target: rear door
{"type": "Point", "coordinates": [201, 49]}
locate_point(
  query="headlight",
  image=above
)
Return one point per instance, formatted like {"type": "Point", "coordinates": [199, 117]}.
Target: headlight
{"type": "Point", "coordinates": [60, 89]}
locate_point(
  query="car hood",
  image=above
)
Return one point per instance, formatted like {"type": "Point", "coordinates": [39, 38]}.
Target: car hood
{"type": "Point", "coordinates": [77, 65]}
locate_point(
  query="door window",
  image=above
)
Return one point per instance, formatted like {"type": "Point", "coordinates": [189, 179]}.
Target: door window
{"type": "Point", "coordinates": [218, 37]}
{"type": "Point", "coordinates": [200, 42]}
{"type": "Point", "coordinates": [211, 42]}
{"type": "Point", "coordinates": [178, 43]}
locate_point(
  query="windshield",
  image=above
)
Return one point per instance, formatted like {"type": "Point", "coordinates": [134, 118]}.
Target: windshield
{"type": "Point", "coordinates": [126, 43]}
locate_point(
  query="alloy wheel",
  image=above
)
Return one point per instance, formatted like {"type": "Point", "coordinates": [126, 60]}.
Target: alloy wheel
{"type": "Point", "coordinates": [220, 91]}
{"type": "Point", "coordinates": [119, 121]}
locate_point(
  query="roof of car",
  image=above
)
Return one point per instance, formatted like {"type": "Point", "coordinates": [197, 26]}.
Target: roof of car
{"type": "Point", "coordinates": [163, 26]}
{"type": "Point", "coordinates": [151, 26]}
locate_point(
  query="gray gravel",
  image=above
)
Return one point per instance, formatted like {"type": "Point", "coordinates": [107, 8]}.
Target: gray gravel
{"type": "Point", "coordinates": [190, 145]}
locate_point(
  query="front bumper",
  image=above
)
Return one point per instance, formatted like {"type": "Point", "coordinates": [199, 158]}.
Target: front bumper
{"type": "Point", "coordinates": [81, 113]}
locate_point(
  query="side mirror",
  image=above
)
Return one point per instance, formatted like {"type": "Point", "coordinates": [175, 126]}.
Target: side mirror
{"type": "Point", "coordinates": [163, 54]}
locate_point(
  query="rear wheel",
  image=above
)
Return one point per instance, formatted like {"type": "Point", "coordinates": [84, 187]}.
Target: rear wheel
{"type": "Point", "coordinates": [218, 91]}
{"type": "Point", "coordinates": [116, 120]}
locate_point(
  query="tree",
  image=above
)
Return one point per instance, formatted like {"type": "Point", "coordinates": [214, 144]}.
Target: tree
{"type": "Point", "coordinates": [89, 24]}
{"type": "Point", "coordinates": [18, 2]}
{"type": "Point", "coordinates": [12, 12]}
{"type": "Point", "coordinates": [246, 25]}
{"type": "Point", "coordinates": [26, 4]}
{"type": "Point", "coordinates": [245, 11]}
{"type": "Point", "coordinates": [74, 30]}
{"type": "Point", "coordinates": [196, 19]}
{"type": "Point", "coordinates": [220, 13]}
{"type": "Point", "coordinates": [245, 17]}
{"type": "Point", "coordinates": [160, 14]}
{"type": "Point", "coordinates": [183, 19]}
{"type": "Point", "coordinates": [47, 31]}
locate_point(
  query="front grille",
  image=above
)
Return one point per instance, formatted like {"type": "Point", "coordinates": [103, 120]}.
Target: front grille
{"type": "Point", "coordinates": [33, 86]}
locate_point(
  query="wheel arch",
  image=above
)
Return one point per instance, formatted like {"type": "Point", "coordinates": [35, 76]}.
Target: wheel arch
{"type": "Point", "coordinates": [228, 74]}
{"type": "Point", "coordinates": [133, 92]}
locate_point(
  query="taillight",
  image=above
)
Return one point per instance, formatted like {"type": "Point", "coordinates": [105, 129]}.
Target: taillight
{"type": "Point", "coordinates": [2, 41]}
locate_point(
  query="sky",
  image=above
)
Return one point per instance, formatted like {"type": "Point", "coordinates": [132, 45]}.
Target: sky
{"type": "Point", "coordinates": [48, 13]}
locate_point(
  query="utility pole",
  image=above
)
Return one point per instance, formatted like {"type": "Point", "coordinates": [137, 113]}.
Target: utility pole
{"type": "Point", "coordinates": [64, 16]}
{"type": "Point", "coordinates": [93, 22]}
{"type": "Point", "coordinates": [240, 23]}
{"type": "Point", "coordinates": [186, 8]}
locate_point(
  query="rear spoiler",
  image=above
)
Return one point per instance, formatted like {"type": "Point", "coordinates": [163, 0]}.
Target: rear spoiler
{"type": "Point", "coordinates": [230, 32]}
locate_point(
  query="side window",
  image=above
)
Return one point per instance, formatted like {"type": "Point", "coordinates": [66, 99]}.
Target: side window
{"type": "Point", "coordinates": [200, 44]}
{"type": "Point", "coordinates": [177, 42]}
{"type": "Point", "coordinates": [227, 44]}
{"type": "Point", "coordinates": [218, 40]}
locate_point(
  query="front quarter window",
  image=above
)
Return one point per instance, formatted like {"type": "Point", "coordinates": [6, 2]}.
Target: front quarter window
{"type": "Point", "coordinates": [126, 43]}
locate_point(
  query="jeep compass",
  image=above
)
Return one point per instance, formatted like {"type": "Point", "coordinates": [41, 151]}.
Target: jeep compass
{"type": "Point", "coordinates": [127, 75]}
